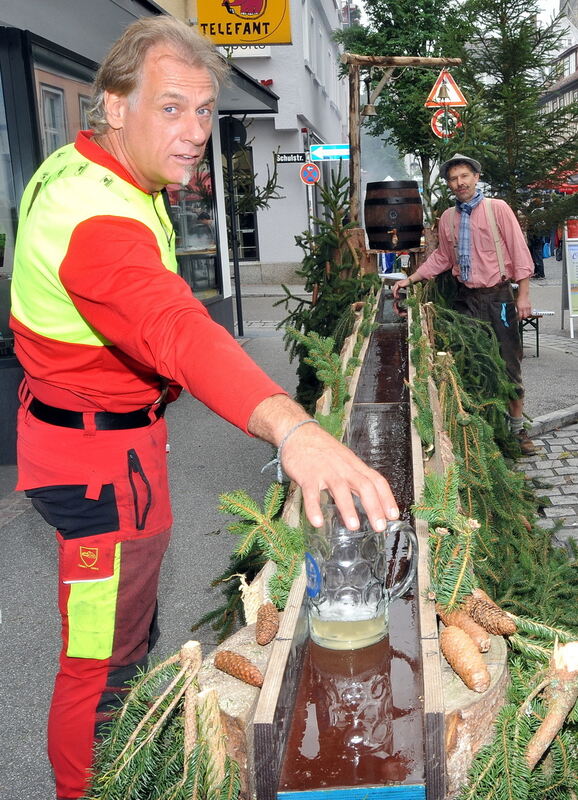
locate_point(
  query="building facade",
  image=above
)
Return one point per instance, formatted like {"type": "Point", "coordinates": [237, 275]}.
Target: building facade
{"type": "Point", "coordinates": [563, 89]}
{"type": "Point", "coordinates": [312, 110]}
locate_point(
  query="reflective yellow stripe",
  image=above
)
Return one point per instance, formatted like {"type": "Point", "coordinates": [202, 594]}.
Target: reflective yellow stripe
{"type": "Point", "coordinates": [91, 615]}
{"type": "Point", "coordinates": [65, 191]}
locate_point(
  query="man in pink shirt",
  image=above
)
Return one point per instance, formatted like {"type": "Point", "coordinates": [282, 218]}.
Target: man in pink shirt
{"type": "Point", "coordinates": [480, 240]}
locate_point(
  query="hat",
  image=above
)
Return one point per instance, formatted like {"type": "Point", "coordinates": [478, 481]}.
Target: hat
{"type": "Point", "coordinates": [456, 159]}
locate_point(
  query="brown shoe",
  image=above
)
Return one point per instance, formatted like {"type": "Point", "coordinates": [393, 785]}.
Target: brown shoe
{"type": "Point", "coordinates": [527, 446]}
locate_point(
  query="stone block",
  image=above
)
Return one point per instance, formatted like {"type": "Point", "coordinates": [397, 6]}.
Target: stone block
{"type": "Point", "coordinates": [566, 500]}
{"type": "Point", "coordinates": [557, 511]}
{"type": "Point", "coordinates": [559, 480]}
{"type": "Point", "coordinates": [545, 523]}
{"type": "Point", "coordinates": [539, 473]}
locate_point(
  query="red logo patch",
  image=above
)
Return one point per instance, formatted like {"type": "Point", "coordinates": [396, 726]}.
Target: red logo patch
{"type": "Point", "coordinates": [88, 557]}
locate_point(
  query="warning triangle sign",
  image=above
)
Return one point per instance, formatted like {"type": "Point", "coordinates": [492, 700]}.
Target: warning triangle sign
{"type": "Point", "coordinates": [445, 92]}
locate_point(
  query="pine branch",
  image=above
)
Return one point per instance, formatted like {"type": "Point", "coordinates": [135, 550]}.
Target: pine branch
{"type": "Point", "coordinates": [540, 629]}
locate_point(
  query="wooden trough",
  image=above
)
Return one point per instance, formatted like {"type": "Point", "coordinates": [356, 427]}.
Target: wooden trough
{"type": "Point", "coordinates": [416, 726]}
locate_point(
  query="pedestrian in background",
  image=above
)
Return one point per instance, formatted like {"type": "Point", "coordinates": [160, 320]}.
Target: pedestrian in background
{"type": "Point", "coordinates": [108, 334]}
{"type": "Point", "coordinates": [481, 242]}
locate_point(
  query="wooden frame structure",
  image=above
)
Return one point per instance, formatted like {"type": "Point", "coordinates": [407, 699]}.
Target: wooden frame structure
{"type": "Point", "coordinates": [388, 64]}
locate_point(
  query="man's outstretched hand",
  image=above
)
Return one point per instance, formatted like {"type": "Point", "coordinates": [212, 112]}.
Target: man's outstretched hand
{"type": "Point", "coordinates": [315, 460]}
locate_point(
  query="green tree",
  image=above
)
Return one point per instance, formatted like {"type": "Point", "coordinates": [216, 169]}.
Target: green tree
{"type": "Point", "coordinates": [506, 68]}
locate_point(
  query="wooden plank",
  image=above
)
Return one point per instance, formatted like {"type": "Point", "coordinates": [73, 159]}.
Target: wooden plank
{"type": "Point", "coordinates": [359, 793]}
{"type": "Point", "coordinates": [277, 696]}
{"type": "Point", "coordinates": [435, 761]}
{"type": "Point", "coordinates": [346, 353]}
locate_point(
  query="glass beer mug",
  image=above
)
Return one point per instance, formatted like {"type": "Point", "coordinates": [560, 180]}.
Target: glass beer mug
{"type": "Point", "coordinates": [348, 600]}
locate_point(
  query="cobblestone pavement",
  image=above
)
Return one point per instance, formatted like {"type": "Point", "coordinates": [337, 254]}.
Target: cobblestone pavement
{"type": "Point", "coordinates": [555, 468]}
{"type": "Point", "coordinates": [555, 342]}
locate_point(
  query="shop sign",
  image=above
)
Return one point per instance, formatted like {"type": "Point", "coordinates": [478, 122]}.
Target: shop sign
{"type": "Point", "coordinates": [246, 51]}
{"type": "Point", "coordinates": [245, 22]}
{"type": "Point", "coordinates": [572, 274]}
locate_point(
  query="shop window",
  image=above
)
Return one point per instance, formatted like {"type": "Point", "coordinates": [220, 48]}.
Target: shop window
{"type": "Point", "coordinates": [246, 217]}
{"type": "Point", "coordinates": [194, 217]}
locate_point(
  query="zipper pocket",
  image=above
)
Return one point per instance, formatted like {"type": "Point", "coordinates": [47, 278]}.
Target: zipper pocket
{"type": "Point", "coordinates": [135, 468]}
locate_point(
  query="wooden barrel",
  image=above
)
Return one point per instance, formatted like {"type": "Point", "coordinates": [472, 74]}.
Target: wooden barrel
{"type": "Point", "coordinates": [393, 215]}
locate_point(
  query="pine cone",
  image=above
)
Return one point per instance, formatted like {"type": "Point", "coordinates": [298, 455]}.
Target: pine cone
{"type": "Point", "coordinates": [464, 658]}
{"type": "Point", "coordinates": [490, 616]}
{"type": "Point", "coordinates": [267, 623]}
{"type": "Point", "coordinates": [463, 620]}
{"type": "Point", "coordinates": [239, 667]}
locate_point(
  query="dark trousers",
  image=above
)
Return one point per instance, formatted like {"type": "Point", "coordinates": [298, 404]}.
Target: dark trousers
{"type": "Point", "coordinates": [536, 247]}
{"type": "Point", "coordinates": [496, 305]}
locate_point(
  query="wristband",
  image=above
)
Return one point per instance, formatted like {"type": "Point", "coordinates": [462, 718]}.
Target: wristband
{"type": "Point", "coordinates": [277, 460]}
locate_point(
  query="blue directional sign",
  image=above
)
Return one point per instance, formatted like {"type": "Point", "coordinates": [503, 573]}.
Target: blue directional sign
{"type": "Point", "coordinates": [329, 152]}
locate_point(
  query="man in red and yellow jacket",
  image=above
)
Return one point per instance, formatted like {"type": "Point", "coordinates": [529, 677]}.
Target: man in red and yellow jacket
{"type": "Point", "coordinates": [108, 333]}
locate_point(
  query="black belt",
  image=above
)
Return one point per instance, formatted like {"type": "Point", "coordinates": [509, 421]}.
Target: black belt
{"type": "Point", "coordinates": [103, 420]}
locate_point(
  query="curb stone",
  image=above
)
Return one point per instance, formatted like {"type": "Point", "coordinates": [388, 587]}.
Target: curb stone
{"type": "Point", "coordinates": [555, 419]}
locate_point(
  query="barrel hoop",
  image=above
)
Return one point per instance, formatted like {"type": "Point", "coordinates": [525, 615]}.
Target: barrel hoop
{"type": "Point", "coordinates": [391, 201]}
{"type": "Point", "coordinates": [392, 185]}
{"type": "Point", "coordinates": [385, 228]}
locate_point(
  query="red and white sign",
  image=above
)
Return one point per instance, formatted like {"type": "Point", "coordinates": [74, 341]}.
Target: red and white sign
{"type": "Point", "coordinates": [445, 92]}
{"type": "Point", "coordinates": [309, 173]}
{"type": "Point", "coordinates": [445, 122]}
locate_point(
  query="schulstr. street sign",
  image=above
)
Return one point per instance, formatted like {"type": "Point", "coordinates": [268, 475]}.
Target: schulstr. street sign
{"type": "Point", "coordinates": [445, 92]}
{"type": "Point", "coordinates": [329, 152]}
{"type": "Point", "coordinates": [290, 158]}
{"type": "Point", "coordinates": [309, 173]}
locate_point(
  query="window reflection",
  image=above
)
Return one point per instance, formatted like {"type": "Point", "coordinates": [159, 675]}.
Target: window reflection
{"type": "Point", "coordinates": [63, 89]}
{"type": "Point", "coordinates": [53, 118]}
{"type": "Point", "coordinates": [193, 214]}
{"type": "Point", "coordinates": [244, 191]}
{"type": "Point", "coordinates": [7, 198]}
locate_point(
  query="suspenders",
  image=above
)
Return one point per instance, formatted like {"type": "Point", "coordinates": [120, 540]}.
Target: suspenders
{"type": "Point", "coordinates": [493, 227]}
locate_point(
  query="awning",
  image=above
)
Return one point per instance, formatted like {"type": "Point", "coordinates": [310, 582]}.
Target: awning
{"type": "Point", "coordinates": [245, 95]}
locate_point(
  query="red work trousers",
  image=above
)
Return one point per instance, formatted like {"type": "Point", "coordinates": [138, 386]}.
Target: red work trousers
{"type": "Point", "coordinates": [106, 493]}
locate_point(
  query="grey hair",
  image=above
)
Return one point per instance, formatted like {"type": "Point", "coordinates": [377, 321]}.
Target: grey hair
{"type": "Point", "coordinates": [121, 70]}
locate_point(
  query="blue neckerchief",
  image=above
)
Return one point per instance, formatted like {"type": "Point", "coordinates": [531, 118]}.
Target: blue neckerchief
{"type": "Point", "coordinates": [464, 238]}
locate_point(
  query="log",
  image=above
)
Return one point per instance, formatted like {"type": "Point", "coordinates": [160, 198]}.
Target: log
{"type": "Point", "coordinates": [470, 717]}
{"type": "Point", "coordinates": [354, 144]}
{"type": "Point", "coordinates": [399, 61]}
